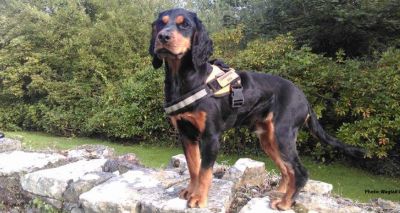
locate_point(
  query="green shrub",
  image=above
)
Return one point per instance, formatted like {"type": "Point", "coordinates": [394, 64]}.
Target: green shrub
{"type": "Point", "coordinates": [133, 108]}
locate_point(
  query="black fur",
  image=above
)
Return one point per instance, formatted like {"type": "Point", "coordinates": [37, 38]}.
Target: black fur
{"type": "Point", "coordinates": [202, 47]}
{"type": "Point", "coordinates": [157, 62]}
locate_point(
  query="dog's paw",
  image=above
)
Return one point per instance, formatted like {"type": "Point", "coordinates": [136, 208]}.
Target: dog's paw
{"type": "Point", "coordinates": [186, 193]}
{"type": "Point", "coordinates": [197, 201]}
{"type": "Point", "coordinates": [280, 204]}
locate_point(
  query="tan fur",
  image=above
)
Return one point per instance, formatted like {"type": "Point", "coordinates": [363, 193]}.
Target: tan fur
{"type": "Point", "coordinates": [192, 154]}
{"type": "Point", "coordinates": [165, 19]}
{"type": "Point", "coordinates": [179, 19]}
{"type": "Point", "coordinates": [178, 44]}
{"type": "Point", "coordinates": [199, 197]}
{"type": "Point", "coordinates": [197, 119]}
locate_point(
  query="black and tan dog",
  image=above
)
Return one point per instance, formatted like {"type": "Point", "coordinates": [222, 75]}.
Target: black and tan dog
{"type": "Point", "coordinates": [273, 107]}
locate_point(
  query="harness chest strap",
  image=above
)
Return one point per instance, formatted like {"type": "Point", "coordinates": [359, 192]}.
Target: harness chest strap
{"type": "Point", "coordinates": [217, 84]}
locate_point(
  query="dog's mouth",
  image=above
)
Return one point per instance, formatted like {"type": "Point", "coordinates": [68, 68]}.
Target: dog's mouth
{"type": "Point", "coordinates": [166, 53]}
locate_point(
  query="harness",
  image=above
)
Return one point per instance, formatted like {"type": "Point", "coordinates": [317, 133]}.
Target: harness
{"type": "Point", "coordinates": [219, 83]}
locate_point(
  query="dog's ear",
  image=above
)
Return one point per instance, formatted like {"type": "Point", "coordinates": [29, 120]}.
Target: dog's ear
{"type": "Point", "coordinates": [157, 63]}
{"type": "Point", "coordinates": [202, 47]}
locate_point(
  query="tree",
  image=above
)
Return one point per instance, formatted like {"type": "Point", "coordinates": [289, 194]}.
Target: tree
{"type": "Point", "coordinates": [359, 27]}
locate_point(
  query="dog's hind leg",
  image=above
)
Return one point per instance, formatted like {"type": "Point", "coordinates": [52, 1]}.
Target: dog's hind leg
{"type": "Point", "coordinates": [297, 174]}
{"type": "Point", "coordinates": [266, 134]}
{"type": "Point", "coordinates": [278, 139]}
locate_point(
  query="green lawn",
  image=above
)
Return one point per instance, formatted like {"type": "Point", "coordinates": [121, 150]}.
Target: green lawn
{"type": "Point", "coordinates": [348, 182]}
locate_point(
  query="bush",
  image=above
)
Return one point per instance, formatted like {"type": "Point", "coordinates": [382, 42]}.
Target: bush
{"type": "Point", "coordinates": [133, 108]}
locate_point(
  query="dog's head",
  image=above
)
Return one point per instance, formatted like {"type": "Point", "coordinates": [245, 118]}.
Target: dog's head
{"type": "Point", "coordinates": [176, 33]}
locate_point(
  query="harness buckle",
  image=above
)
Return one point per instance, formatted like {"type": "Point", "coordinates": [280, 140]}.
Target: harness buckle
{"type": "Point", "coordinates": [237, 96]}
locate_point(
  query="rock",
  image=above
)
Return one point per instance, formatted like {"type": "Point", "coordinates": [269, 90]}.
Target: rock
{"type": "Point", "coordinates": [387, 205]}
{"type": "Point", "coordinates": [52, 183]}
{"type": "Point", "coordinates": [84, 184]}
{"type": "Point", "coordinates": [324, 204]}
{"type": "Point", "coordinates": [219, 199]}
{"type": "Point", "coordinates": [123, 193]}
{"type": "Point", "coordinates": [317, 187]}
{"type": "Point", "coordinates": [316, 202]}
{"type": "Point", "coordinates": [257, 205]}
{"type": "Point", "coordinates": [306, 202]}
{"type": "Point", "coordinates": [8, 144]}
{"type": "Point", "coordinates": [11, 191]}
{"type": "Point", "coordinates": [246, 172]}
{"type": "Point", "coordinates": [122, 164]}
{"type": "Point", "coordinates": [91, 152]}
{"type": "Point", "coordinates": [15, 164]}
{"type": "Point", "coordinates": [151, 191]}
{"type": "Point", "coordinates": [22, 162]}
{"type": "Point", "coordinates": [178, 162]}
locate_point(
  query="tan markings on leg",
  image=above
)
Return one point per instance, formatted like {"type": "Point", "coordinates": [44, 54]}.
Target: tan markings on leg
{"type": "Point", "coordinates": [192, 154]}
{"type": "Point", "coordinates": [192, 150]}
{"type": "Point", "coordinates": [179, 19]}
{"type": "Point", "coordinates": [286, 202]}
{"type": "Point", "coordinates": [165, 19]}
{"type": "Point", "coordinates": [197, 119]}
{"type": "Point", "coordinates": [200, 195]}
{"type": "Point", "coordinates": [268, 144]}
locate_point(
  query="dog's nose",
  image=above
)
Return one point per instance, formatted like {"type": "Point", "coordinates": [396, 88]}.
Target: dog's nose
{"type": "Point", "coordinates": [164, 37]}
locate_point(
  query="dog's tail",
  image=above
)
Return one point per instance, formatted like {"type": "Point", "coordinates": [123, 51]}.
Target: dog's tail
{"type": "Point", "coordinates": [318, 132]}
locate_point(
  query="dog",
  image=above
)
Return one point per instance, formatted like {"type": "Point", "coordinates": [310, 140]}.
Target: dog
{"type": "Point", "coordinates": [203, 100]}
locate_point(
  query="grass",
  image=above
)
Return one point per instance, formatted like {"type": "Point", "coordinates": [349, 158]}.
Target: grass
{"type": "Point", "coordinates": [150, 156]}
{"type": "Point", "coordinates": [347, 181]}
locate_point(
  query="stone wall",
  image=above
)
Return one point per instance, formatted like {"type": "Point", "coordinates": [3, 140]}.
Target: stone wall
{"type": "Point", "coordinates": [92, 179]}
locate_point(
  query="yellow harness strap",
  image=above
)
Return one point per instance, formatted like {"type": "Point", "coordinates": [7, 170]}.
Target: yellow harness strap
{"type": "Point", "coordinates": [224, 79]}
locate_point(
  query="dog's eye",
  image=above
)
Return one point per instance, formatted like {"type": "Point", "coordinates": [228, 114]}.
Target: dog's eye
{"type": "Point", "coordinates": [184, 25]}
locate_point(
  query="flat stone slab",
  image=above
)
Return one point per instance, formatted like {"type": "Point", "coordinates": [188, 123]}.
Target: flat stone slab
{"type": "Point", "coordinates": [15, 164]}
{"type": "Point", "coordinates": [122, 193]}
{"type": "Point", "coordinates": [52, 183]}
{"type": "Point", "coordinates": [306, 202]}
{"type": "Point", "coordinates": [324, 204]}
{"type": "Point", "coordinates": [318, 187]}
{"type": "Point", "coordinates": [23, 162]}
{"type": "Point", "coordinates": [219, 199]}
{"type": "Point", "coordinates": [257, 205]}
{"type": "Point", "coordinates": [151, 191]}
{"type": "Point", "coordinates": [8, 144]}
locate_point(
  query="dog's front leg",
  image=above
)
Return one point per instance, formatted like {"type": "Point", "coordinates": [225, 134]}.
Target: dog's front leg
{"type": "Point", "coordinates": [192, 153]}
{"type": "Point", "coordinates": [199, 197]}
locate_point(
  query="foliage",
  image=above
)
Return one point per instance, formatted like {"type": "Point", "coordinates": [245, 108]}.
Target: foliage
{"type": "Point", "coordinates": [39, 205]}
{"type": "Point", "coordinates": [61, 63]}
{"type": "Point", "coordinates": [358, 27]}
{"type": "Point", "coordinates": [133, 108]}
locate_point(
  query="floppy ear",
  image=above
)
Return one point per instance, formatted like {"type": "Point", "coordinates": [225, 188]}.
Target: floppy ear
{"type": "Point", "coordinates": [157, 63]}
{"type": "Point", "coordinates": [202, 47]}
